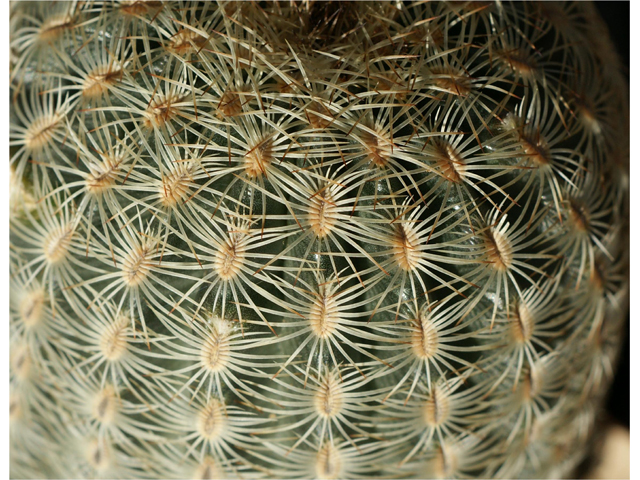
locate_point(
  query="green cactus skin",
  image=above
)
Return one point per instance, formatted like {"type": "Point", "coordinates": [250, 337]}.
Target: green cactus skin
{"type": "Point", "coordinates": [313, 240]}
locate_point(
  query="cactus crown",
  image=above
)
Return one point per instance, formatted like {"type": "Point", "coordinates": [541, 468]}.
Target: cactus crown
{"type": "Point", "coordinates": [316, 239]}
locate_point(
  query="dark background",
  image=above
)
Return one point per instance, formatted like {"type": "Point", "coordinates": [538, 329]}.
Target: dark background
{"type": "Point", "coordinates": [616, 15]}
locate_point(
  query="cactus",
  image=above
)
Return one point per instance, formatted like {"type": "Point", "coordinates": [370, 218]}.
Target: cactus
{"type": "Point", "coordinates": [327, 240]}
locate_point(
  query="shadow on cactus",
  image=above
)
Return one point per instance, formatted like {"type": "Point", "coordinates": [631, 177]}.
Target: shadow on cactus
{"type": "Point", "coordinates": [313, 240]}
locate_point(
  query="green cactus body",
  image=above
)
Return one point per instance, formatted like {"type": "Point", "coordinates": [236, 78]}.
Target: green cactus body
{"type": "Point", "coordinates": [313, 240]}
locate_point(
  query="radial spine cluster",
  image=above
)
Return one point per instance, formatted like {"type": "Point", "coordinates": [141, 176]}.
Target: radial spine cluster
{"type": "Point", "coordinates": [313, 239]}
